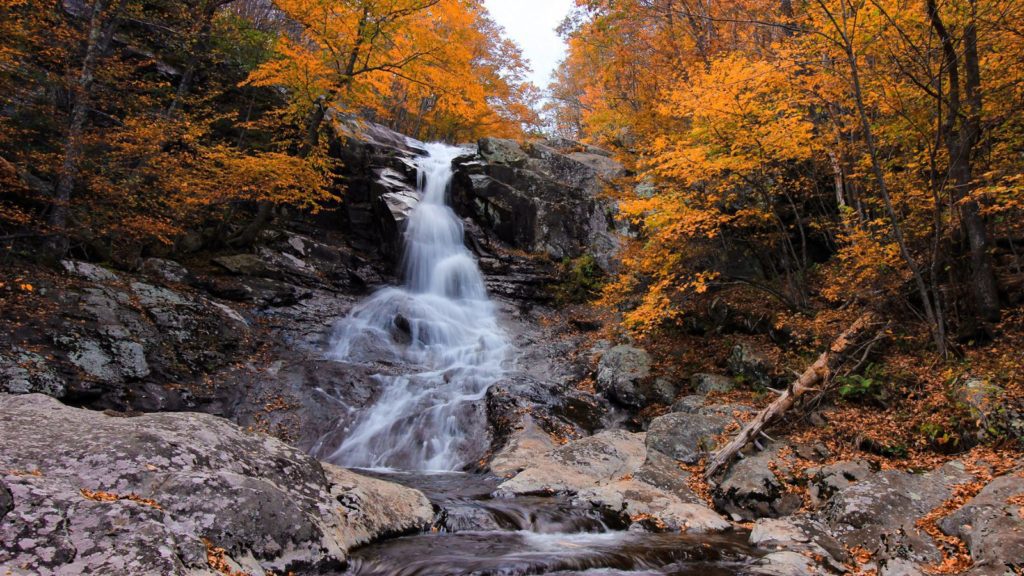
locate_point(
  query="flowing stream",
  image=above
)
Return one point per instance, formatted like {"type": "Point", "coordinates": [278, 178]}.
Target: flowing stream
{"type": "Point", "coordinates": [429, 423]}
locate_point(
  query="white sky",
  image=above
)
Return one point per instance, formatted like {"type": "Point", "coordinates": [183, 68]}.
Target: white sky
{"type": "Point", "coordinates": [532, 23]}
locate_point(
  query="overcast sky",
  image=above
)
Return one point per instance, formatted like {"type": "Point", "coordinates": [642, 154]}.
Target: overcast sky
{"type": "Point", "coordinates": [532, 23]}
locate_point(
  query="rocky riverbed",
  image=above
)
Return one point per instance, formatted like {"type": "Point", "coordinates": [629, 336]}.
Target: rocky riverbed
{"type": "Point", "coordinates": [168, 416]}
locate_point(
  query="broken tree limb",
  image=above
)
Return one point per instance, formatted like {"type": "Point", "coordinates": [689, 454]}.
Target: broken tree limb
{"type": "Point", "coordinates": [815, 375]}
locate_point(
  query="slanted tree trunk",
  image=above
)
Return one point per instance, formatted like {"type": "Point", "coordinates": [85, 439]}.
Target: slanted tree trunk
{"type": "Point", "coordinates": [815, 375]}
{"type": "Point", "coordinates": [101, 28]}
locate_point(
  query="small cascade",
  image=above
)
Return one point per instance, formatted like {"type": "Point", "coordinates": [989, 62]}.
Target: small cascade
{"type": "Point", "coordinates": [442, 324]}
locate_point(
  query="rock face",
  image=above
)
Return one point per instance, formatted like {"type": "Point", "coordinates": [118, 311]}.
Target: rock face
{"type": "Point", "coordinates": [541, 197]}
{"type": "Point", "coordinates": [157, 494]}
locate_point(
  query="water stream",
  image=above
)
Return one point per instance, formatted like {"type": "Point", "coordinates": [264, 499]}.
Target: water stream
{"type": "Point", "coordinates": [429, 423]}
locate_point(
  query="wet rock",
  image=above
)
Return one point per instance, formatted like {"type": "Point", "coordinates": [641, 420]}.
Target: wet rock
{"type": "Point", "coordinates": [992, 527]}
{"type": "Point", "coordinates": [141, 495]}
{"type": "Point", "coordinates": [685, 437]}
{"type": "Point", "coordinates": [801, 535]}
{"type": "Point", "coordinates": [706, 383]}
{"type": "Point", "coordinates": [522, 448]}
{"type": "Point", "coordinates": [623, 374]}
{"type": "Point", "coordinates": [751, 489]}
{"type": "Point", "coordinates": [653, 508]}
{"type": "Point", "coordinates": [879, 513]}
{"type": "Point", "coordinates": [523, 410]}
{"type": "Point", "coordinates": [787, 563]}
{"type": "Point", "coordinates": [828, 480]}
{"type": "Point", "coordinates": [579, 465]}
{"type": "Point", "coordinates": [750, 365]}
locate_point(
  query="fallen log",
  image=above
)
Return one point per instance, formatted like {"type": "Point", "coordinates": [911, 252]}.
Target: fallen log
{"type": "Point", "coordinates": [815, 375]}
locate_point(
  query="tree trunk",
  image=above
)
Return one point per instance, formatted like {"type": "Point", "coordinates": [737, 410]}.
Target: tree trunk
{"type": "Point", "coordinates": [100, 32]}
{"type": "Point", "coordinates": [962, 132]}
{"type": "Point", "coordinates": [815, 375]}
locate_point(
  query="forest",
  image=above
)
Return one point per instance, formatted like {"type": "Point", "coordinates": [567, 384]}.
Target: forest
{"type": "Point", "coordinates": [750, 271]}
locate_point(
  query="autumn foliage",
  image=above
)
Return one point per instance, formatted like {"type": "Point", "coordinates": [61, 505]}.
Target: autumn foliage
{"type": "Point", "coordinates": [820, 153]}
{"type": "Point", "coordinates": [128, 124]}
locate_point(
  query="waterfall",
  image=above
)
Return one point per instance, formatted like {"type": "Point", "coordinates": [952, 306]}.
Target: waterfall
{"type": "Point", "coordinates": [441, 323]}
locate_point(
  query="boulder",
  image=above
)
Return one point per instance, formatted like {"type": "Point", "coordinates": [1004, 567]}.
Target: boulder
{"type": "Point", "coordinates": [664, 473]}
{"type": "Point", "coordinates": [787, 563]}
{"type": "Point", "coordinates": [707, 383]}
{"type": "Point", "coordinates": [685, 437]}
{"type": "Point", "coordinates": [828, 480]}
{"type": "Point", "coordinates": [751, 489]}
{"type": "Point", "coordinates": [502, 151]}
{"type": "Point", "coordinates": [654, 508]}
{"type": "Point", "coordinates": [579, 465]}
{"type": "Point", "coordinates": [171, 493]}
{"type": "Point", "coordinates": [992, 526]}
{"type": "Point", "coordinates": [880, 512]}
{"type": "Point", "coordinates": [614, 471]}
{"type": "Point", "coordinates": [243, 264]}
{"type": "Point", "coordinates": [525, 413]}
{"type": "Point", "coordinates": [623, 374]}
{"type": "Point", "coordinates": [802, 535]}
{"type": "Point", "coordinates": [688, 404]}
{"type": "Point", "coordinates": [750, 365]}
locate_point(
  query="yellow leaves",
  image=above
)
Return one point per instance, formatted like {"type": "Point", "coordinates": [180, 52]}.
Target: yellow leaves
{"type": "Point", "coordinates": [440, 68]}
{"type": "Point", "coordinates": [101, 496]}
{"type": "Point", "coordinates": [217, 558]}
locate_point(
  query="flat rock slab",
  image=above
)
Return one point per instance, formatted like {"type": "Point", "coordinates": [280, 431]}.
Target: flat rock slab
{"type": "Point", "coordinates": [614, 470]}
{"type": "Point", "coordinates": [93, 493]}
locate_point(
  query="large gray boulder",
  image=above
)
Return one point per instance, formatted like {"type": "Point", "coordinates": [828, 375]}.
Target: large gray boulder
{"type": "Point", "coordinates": [880, 512]}
{"type": "Point", "coordinates": [706, 383]}
{"type": "Point", "coordinates": [752, 489]}
{"type": "Point", "coordinates": [992, 526]}
{"type": "Point", "coordinates": [624, 375]}
{"type": "Point", "coordinates": [801, 535]}
{"type": "Point", "coordinates": [685, 437]}
{"type": "Point", "coordinates": [750, 365]}
{"type": "Point", "coordinates": [162, 493]}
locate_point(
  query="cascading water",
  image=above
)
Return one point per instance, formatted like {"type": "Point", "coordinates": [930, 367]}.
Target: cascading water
{"type": "Point", "coordinates": [440, 322]}
{"type": "Point", "coordinates": [440, 331]}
